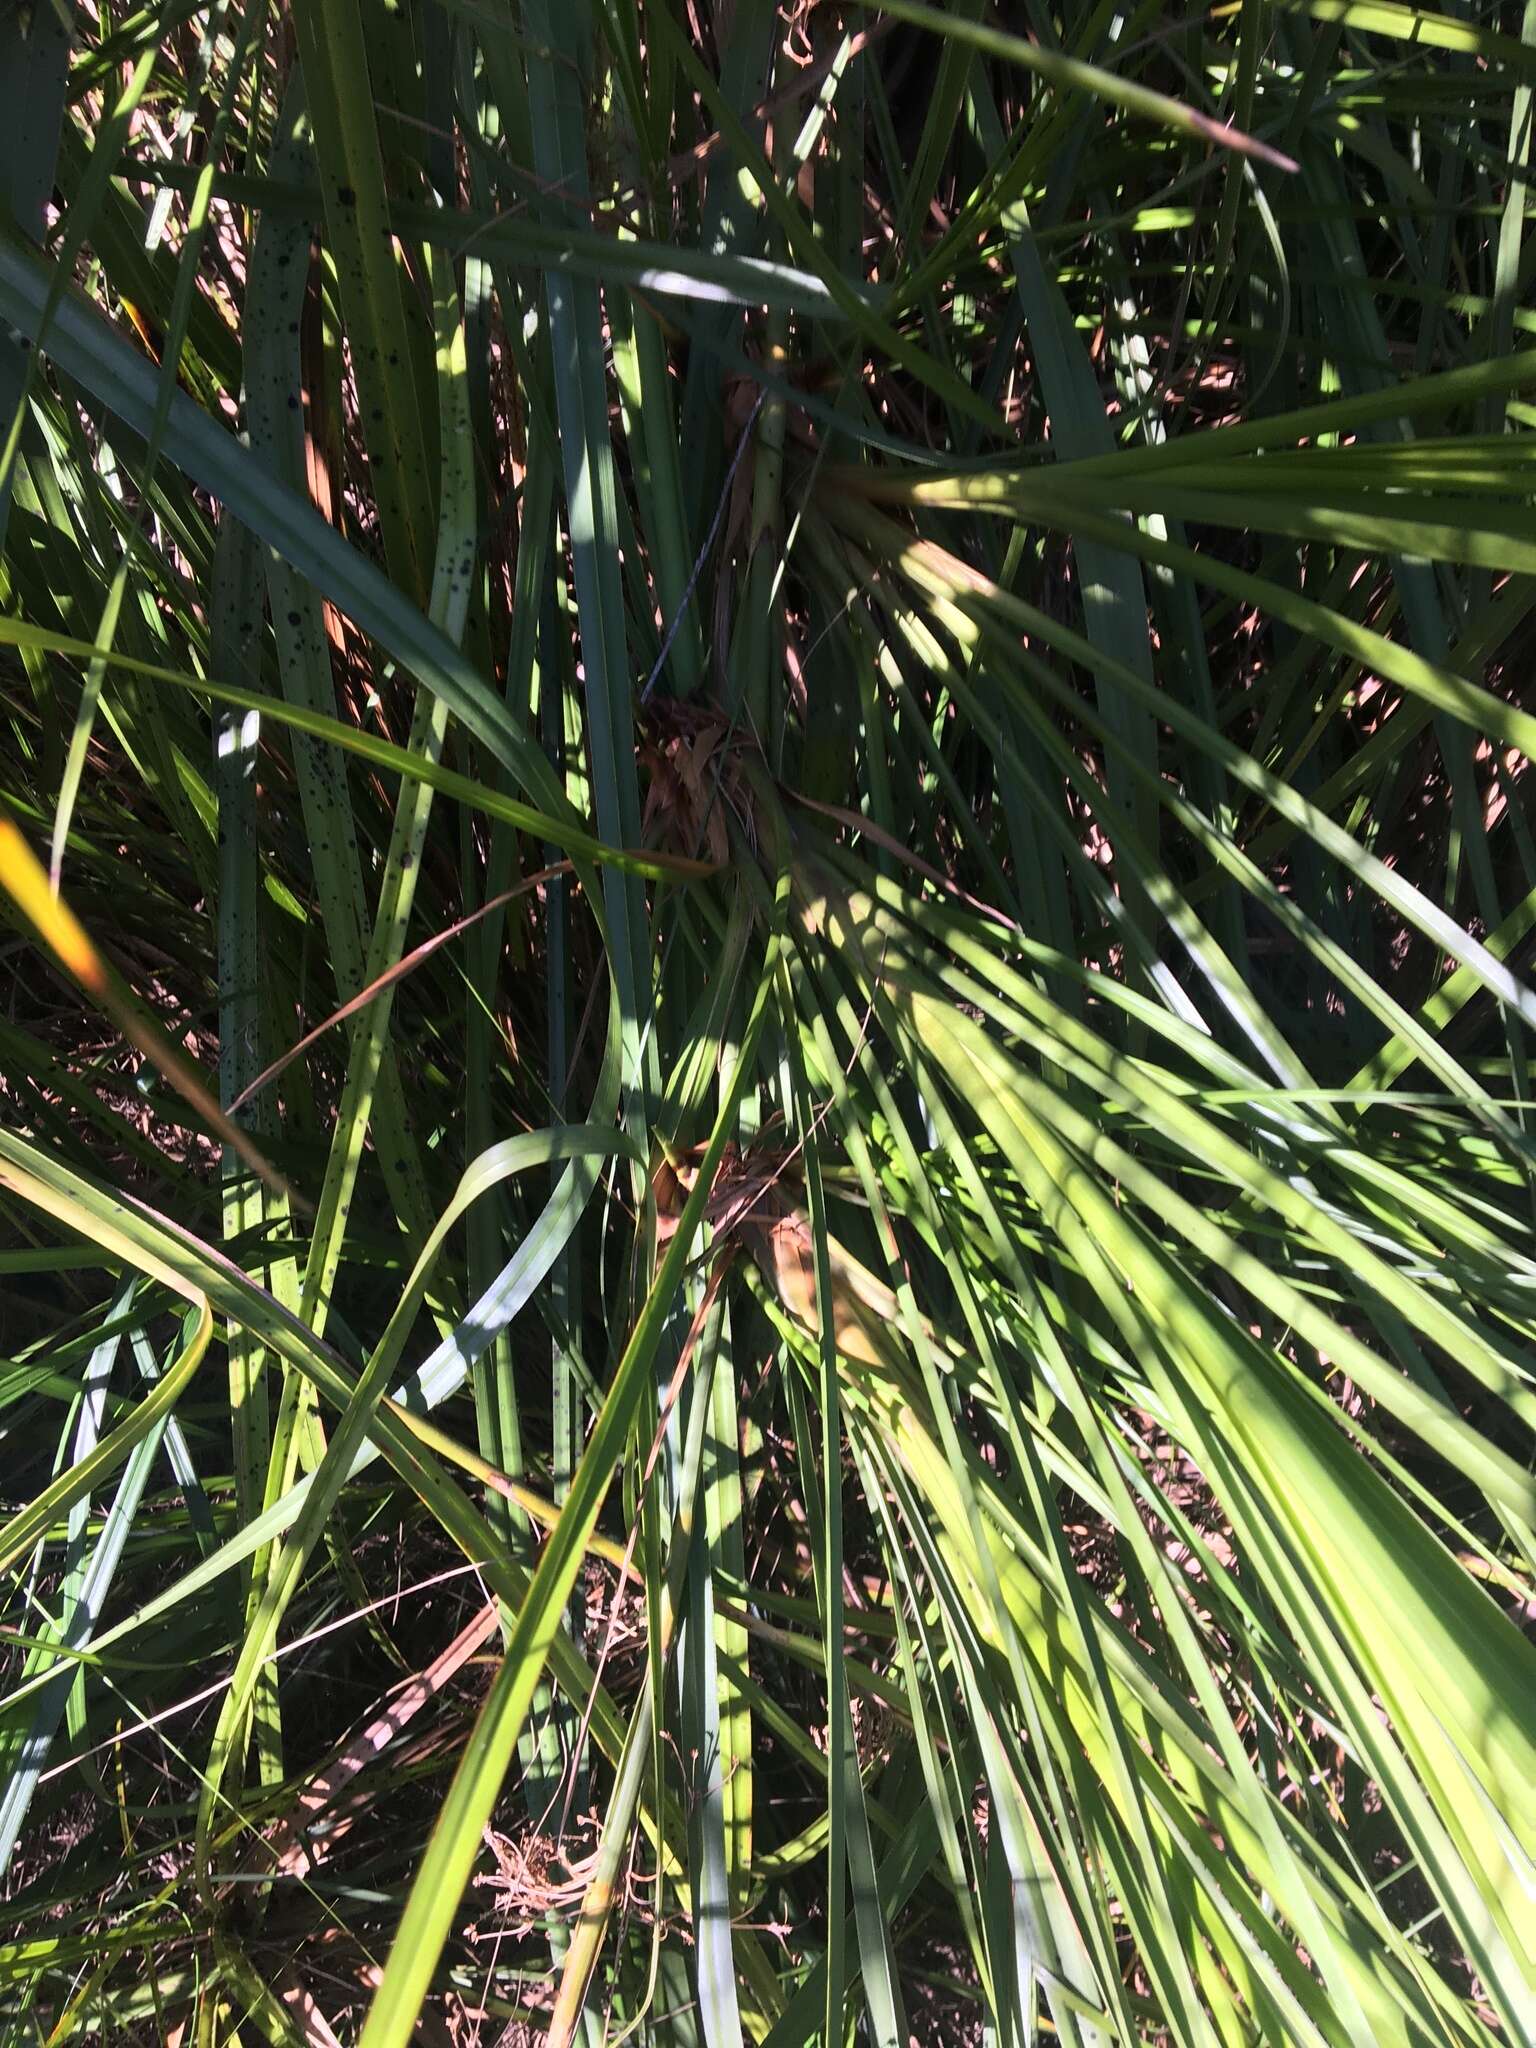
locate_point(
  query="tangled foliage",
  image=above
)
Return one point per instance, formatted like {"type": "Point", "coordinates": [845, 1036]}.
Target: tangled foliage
{"type": "Point", "coordinates": [766, 1188]}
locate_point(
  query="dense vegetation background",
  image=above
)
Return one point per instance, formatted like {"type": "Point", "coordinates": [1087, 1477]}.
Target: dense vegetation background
{"type": "Point", "coordinates": [766, 1176]}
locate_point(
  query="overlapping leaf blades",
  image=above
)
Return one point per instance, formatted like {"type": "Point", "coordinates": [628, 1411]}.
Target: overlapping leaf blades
{"type": "Point", "coordinates": [969, 723]}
